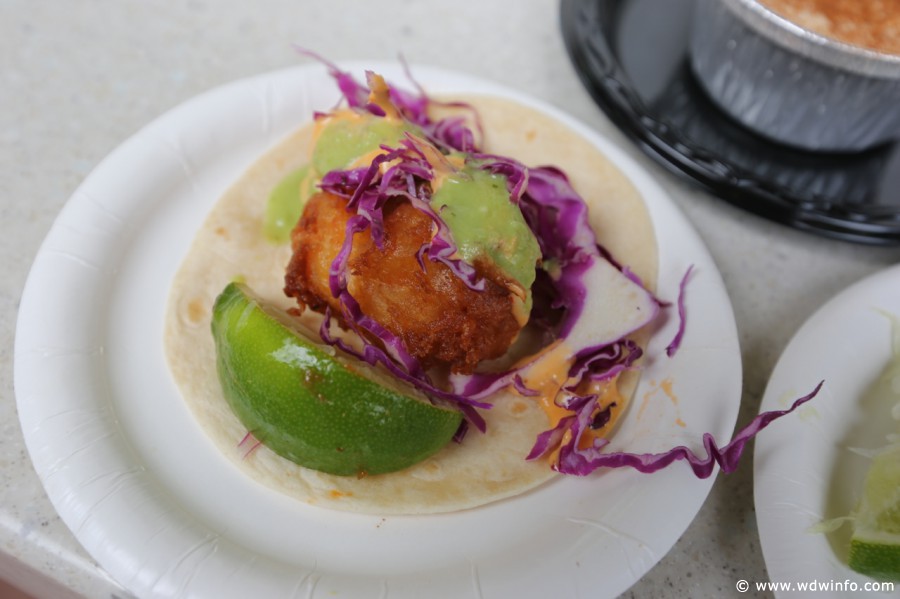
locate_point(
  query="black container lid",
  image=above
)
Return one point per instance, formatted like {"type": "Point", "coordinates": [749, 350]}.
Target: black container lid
{"type": "Point", "coordinates": [632, 56]}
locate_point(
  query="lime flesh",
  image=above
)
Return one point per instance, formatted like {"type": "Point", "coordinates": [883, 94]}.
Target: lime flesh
{"type": "Point", "coordinates": [312, 406]}
{"type": "Point", "coordinates": [875, 544]}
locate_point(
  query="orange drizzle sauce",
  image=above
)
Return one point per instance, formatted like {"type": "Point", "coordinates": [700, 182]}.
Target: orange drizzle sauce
{"type": "Point", "coordinates": [549, 374]}
{"type": "Point", "coordinates": [666, 386]}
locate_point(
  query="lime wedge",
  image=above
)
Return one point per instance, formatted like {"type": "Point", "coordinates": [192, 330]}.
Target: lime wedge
{"type": "Point", "coordinates": [313, 406]}
{"type": "Point", "coordinates": [875, 544]}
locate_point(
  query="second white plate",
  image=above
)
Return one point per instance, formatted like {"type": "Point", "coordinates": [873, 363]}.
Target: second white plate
{"type": "Point", "coordinates": [807, 469]}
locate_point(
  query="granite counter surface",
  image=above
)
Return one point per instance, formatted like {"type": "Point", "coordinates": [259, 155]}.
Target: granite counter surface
{"type": "Point", "coordinates": [81, 76]}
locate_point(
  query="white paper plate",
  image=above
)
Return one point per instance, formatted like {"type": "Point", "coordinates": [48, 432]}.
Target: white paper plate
{"type": "Point", "coordinates": [165, 514]}
{"type": "Point", "coordinates": [804, 469]}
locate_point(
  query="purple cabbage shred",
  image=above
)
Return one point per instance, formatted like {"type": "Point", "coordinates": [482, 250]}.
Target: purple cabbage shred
{"type": "Point", "coordinates": [679, 334]}
{"type": "Point", "coordinates": [580, 462]}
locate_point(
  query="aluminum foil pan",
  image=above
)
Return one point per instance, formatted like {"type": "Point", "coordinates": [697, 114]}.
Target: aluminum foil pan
{"type": "Point", "coordinates": [791, 85]}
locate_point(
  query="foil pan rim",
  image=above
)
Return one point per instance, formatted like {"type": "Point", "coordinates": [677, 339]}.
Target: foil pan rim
{"type": "Point", "coordinates": [812, 45]}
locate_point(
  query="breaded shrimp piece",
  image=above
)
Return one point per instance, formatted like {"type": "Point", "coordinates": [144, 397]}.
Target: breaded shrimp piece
{"type": "Point", "coordinates": [441, 321]}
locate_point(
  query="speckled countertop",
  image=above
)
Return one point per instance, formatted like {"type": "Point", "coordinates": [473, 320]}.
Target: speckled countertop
{"type": "Point", "coordinates": [79, 77]}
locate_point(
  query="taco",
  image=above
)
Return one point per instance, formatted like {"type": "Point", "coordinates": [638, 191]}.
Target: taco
{"type": "Point", "coordinates": [483, 465]}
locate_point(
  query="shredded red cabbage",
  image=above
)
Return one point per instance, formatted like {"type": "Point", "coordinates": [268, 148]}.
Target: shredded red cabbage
{"type": "Point", "coordinates": [676, 341]}
{"type": "Point", "coordinates": [574, 266]}
{"type": "Point", "coordinates": [580, 462]}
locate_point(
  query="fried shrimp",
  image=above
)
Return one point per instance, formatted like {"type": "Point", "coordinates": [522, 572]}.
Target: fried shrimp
{"type": "Point", "coordinates": [441, 321]}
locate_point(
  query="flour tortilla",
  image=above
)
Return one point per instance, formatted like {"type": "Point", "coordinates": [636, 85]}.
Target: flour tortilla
{"type": "Point", "coordinates": [485, 467]}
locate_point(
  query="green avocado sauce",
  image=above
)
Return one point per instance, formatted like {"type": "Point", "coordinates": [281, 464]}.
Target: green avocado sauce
{"type": "Point", "coordinates": [343, 140]}
{"type": "Point", "coordinates": [484, 223]}
{"type": "Point", "coordinates": [340, 143]}
{"type": "Point", "coordinates": [286, 203]}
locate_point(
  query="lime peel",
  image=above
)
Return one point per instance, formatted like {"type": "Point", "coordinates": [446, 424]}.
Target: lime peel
{"type": "Point", "coordinates": [309, 405]}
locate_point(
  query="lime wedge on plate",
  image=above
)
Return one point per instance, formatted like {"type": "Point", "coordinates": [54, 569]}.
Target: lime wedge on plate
{"type": "Point", "coordinates": [313, 406]}
{"type": "Point", "coordinates": [875, 545]}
